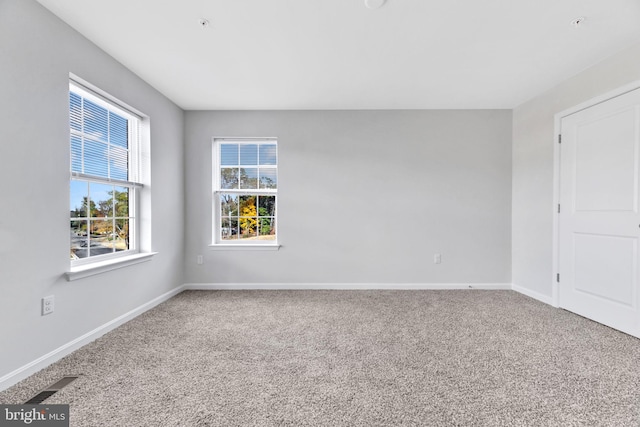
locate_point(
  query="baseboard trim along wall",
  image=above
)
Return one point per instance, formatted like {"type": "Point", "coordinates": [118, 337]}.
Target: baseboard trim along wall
{"type": "Point", "coordinates": [533, 294]}
{"type": "Point", "coordinates": [42, 362]}
{"type": "Point", "coordinates": [343, 286]}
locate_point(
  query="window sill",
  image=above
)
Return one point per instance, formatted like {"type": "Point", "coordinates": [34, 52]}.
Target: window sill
{"type": "Point", "coordinates": [243, 247]}
{"type": "Point", "coordinates": [87, 270]}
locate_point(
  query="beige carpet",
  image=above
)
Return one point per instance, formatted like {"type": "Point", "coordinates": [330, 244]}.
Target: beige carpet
{"type": "Point", "coordinates": [350, 358]}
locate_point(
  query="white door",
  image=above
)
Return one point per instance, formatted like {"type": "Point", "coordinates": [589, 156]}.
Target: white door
{"type": "Point", "coordinates": [599, 222]}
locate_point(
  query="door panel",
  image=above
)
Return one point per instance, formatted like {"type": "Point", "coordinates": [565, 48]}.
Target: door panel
{"type": "Point", "coordinates": [604, 267]}
{"type": "Point", "coordinates": [602, 165]}
{"type": "Point", "coordinates": [599, 223]}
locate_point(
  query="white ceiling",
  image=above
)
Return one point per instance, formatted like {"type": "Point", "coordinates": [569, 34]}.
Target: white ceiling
{"type": "Point", "coordinates": [338, 54]}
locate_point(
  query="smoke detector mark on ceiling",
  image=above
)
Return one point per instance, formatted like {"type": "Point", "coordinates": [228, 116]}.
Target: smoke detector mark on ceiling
{"type": "Point", "coordinates": [577, 23]}
{"type": "Point", "coordinates": [374, 4]}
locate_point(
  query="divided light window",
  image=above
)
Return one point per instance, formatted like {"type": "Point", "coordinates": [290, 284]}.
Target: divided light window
{"type": "Point", "coordinates": [245, 191]}
{"type": "Point", "coordinates": [104, 177]}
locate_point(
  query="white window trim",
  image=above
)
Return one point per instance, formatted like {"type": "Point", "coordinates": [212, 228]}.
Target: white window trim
{"type": "Point", "coordinates": [217, 244]}
{"type": "Point", "coordinates": [141, 231]}
{"type": "Point", "coordinates": [87, 270]}
{"type": "Point", "coordinates": [244, 246]}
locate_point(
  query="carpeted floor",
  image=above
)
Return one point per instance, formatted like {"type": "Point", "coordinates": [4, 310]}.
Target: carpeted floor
{"type": "Point", "coordinates": [350, 358]}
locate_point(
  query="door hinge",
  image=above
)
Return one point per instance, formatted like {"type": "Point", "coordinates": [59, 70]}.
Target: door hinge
{"type": "Point", "coordinates": [559, 139]}
{"type": "Point", "coordinates": [558, 277]}
{"type": "Point", "coordinates": [558, 207]}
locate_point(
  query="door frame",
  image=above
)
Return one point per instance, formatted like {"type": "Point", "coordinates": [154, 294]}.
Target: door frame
{"type": "Point", "coordinates": [555, 297]}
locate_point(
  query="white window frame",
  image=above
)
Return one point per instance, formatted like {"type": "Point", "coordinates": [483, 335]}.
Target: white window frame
{"type": "Point", "coordinates": [83, 267]}
{"type": "Point", "coordinates": [217, 242]}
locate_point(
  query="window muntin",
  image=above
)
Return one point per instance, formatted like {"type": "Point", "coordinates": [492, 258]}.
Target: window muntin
{"type": "Point", "coordinates": [104, 173]}
{"type": "Point", "coordinates": [245, 191]}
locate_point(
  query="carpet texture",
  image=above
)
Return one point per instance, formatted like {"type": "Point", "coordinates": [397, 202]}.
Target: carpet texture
{"type": "Point", "coordinates": [350, 358]}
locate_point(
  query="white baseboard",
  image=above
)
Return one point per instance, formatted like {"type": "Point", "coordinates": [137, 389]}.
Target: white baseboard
{"type": "Point", "coordinates": [23, 372]}
{"type": "Point", "coordinates": [343, 286]}
{"type": "Point", "coordinates": [533, 294]}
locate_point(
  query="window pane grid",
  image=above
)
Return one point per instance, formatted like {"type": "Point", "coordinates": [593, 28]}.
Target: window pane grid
{"type": "Point", "coordinates": [102, 214]}
{"type": "Point", "coordinates": [99, 236]}
{"type": "Point", "coordinates": [248, 165]}
{"type": "Point", "coordinates": [99, 140]}
{"type": "Point", "coordinates": [246, 190]}
{"type": "Point", "coordinates": [101, 219]}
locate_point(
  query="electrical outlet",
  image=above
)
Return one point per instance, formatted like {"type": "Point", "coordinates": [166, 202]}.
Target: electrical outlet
{"type": "Point", "coordinates": [199, 260]}
{"type": "Point", "coordinates": [47, 305]}
{"type": "Point", "coordinates": [437, 259]}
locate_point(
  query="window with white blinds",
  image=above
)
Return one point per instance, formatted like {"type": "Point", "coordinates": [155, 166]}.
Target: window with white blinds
{"type": "Point", "coordinates": [245, 191]}
{"type": "Point", "coordinates": [104, 144]}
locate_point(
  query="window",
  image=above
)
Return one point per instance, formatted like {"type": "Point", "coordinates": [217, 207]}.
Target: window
{"type": "Point", "coordinates": [105, 179]}
{"type": "Point", "coordinates": [245, 191]}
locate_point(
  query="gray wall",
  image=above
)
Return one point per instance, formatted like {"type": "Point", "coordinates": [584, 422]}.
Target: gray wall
{"type": "Point", "coordinates": [533, 139]}
{"type": "Point", "coordinates": [365, 197]}
{"type": "Point", "coordinates": [37, 53]}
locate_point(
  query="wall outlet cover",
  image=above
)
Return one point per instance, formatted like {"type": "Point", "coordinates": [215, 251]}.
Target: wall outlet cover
{"type": "Point", "coordinates": [48, 305]}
